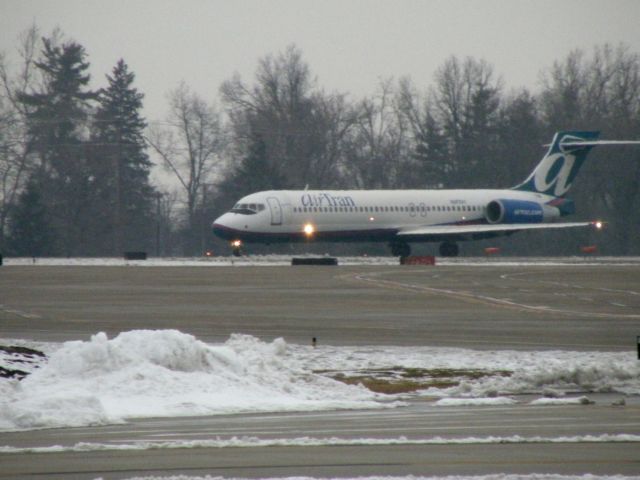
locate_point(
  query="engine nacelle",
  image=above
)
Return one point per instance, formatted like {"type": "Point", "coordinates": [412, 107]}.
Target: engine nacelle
{"type": "Point", "coordinates": [519, 211]}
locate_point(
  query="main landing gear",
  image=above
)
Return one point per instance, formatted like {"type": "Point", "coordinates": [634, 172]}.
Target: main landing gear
{"type": "Point", "coordinates": [400, 249]}
{"type": "Point", "coordinates": [449, 249]}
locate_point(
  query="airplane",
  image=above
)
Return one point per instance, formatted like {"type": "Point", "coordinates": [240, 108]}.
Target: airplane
{"type": "Point", "coordinates": [401, 217]}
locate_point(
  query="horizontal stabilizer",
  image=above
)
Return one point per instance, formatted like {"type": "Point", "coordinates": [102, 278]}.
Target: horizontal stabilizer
{"type": "Point", "coordinates": [595, 143]}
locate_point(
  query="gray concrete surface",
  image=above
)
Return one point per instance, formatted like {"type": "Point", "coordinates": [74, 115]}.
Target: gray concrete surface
{"type": "Point", "coordinates": [570, 307]}
{"type": "Point", "coordinates": [526, 307]}
{"type": "Point", "coordinates": [417, 421]}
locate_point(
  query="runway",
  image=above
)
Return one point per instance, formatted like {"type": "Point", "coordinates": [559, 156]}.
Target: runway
{"type": "Point", "coordinates": [362, 457]}
{"type": "Point", "coordinates": [591, 307]}
{"type": "Point", "coordinates": [594, 306]}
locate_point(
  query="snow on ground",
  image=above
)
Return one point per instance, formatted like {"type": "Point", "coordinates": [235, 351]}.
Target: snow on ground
{"type": "Point", "coordinates": [501, 476]}
{"type": "Point", "coordinates": [474, 402]}
{"type": "Point", "coordinates": [283, 260]}
{"type": "Point", "coordinates": [507, 372]}
{"type": "Point", "coordinates": [168, 373]}
{"type": "Point", "coordinates": [562, 401]}
{"type": "Point", "coordinates": [253, 442]}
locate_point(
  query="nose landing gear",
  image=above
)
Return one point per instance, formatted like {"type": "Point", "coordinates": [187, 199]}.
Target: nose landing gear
{"type": "Point", "coordinates": [236, 248]}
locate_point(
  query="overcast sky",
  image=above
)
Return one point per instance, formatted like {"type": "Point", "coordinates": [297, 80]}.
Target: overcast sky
{"type": "Point", "coordinates": [348, 44]}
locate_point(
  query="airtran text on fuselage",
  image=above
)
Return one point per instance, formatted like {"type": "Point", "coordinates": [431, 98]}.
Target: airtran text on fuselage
{"type": "Point", "coordinates": [326, 200]}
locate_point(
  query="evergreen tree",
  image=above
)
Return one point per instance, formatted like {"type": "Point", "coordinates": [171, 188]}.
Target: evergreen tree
{"type": "Point", "coordinates": [56, 118]}
{"type": "Point", "coordinates": [122, 164]}
{"type": "Point", "coordinates": [30, 230]}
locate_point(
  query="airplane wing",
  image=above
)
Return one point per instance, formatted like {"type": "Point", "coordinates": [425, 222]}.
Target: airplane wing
{"type": "Point", "coordinates": [470, 229]}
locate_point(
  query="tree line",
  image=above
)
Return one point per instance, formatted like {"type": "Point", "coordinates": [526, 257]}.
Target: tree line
{"type": "Point", "coordinates": [75, 162]}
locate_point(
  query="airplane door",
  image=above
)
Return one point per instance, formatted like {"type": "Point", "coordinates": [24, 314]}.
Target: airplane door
{"type": "Point", "coordinates": [276, 210]}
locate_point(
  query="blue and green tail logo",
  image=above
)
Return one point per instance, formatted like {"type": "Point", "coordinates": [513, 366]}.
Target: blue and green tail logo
{"type": "Point", "coordinates": [555, 174]}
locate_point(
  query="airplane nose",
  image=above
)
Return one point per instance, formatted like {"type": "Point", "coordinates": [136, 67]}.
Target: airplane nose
{"type": "Point", "coordinates": [221, 227]}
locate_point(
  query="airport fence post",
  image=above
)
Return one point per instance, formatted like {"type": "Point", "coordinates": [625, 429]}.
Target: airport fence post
{"type": "Point", "coordinates": [638, 343]}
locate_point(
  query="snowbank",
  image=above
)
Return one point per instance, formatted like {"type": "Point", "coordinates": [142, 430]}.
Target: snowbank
{"type": "Point", "coordinates": [167, 373]}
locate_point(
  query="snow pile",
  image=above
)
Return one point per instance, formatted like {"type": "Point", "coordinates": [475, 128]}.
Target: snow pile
{"type": "Point", "coordinates": [564, 372]}
{"type": "Point", "coordinates": [167, 373]}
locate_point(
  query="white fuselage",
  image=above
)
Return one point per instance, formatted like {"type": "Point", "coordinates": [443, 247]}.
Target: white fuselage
{"type": "Point", "coordinates": [355, 214]}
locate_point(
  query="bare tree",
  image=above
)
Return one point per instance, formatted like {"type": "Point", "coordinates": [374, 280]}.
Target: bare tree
{"type": "Point", "coordinates": [602, 92]}
{"type": "Point", "coordinates": [14, 151]}
{"type": "Point", "coordinates": [301, 127]}
{"type": "Point", "coordinates": [190, 144]}
{"type": "Point", "coordinates": [379, 149]}
{"type": "Point", "coordinates": [466, 97]}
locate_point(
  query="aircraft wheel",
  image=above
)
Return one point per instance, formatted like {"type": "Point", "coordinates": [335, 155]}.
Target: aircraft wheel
{"type": "Point", "coordinates": [400, 249]}
{"type": "Point", "coordinates": [449, 249]}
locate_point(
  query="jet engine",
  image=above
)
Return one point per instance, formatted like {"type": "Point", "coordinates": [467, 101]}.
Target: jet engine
{"type": "Point", "coordinates": [519, 211]}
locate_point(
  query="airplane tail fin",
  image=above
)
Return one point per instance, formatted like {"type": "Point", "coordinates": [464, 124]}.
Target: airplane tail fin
{"type": "Point", "coordinates": [556, 172]}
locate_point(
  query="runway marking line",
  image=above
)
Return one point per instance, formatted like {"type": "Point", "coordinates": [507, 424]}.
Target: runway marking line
{"type": "Point", "coordinates": [506, 276]}
{"type": "Point", "coordinates": [19, 313]}
{"type": "Point", "coordinates": [473, 297]}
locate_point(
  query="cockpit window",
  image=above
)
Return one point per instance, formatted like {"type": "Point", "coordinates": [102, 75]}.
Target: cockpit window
{"type": "Point", "coordinates": [247, 208]}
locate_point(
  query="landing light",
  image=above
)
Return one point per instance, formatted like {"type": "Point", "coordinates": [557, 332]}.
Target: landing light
{"type": "Point", "coordinates": [236, 243]}
{"type": "Point", "coordinates": [308, 229]}
{"type": "Point", "coordinates": [598, 225]}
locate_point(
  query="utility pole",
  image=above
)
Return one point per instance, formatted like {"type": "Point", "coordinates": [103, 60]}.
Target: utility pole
{"type": "Point", "coordinates": [158, 197]}
{"type": "Point", "coordinates": [117, 220]}
{"type": "Point", "coordinates": [203, 218]}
